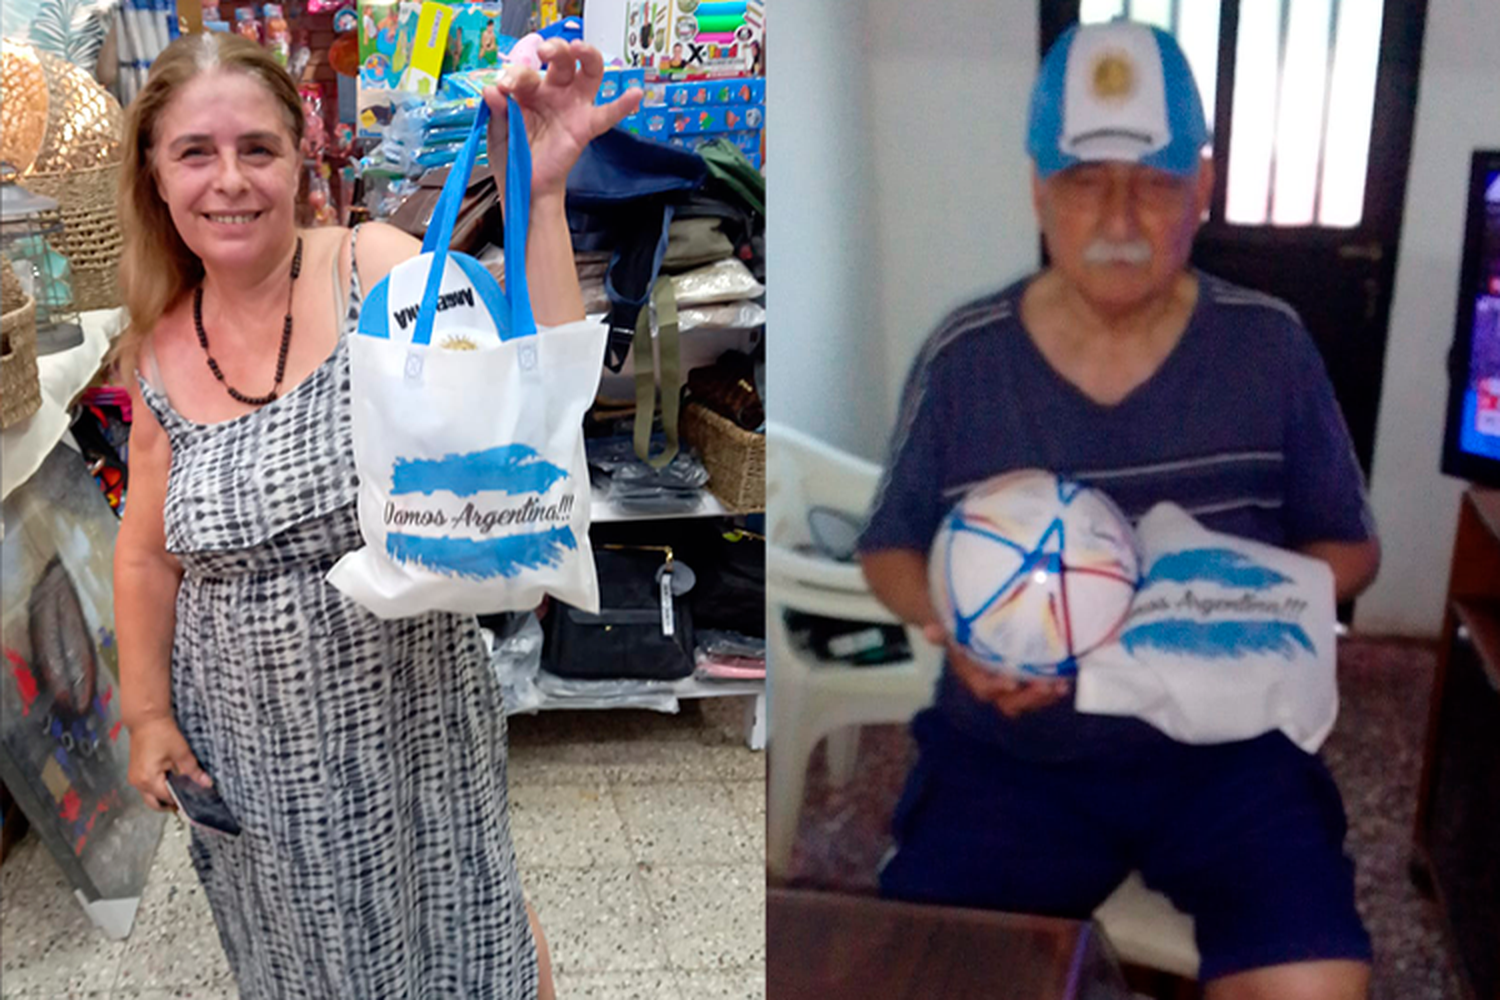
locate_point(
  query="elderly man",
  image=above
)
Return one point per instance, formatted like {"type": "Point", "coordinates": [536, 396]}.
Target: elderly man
{"type": "Point", "coordinates": [1123, 367]}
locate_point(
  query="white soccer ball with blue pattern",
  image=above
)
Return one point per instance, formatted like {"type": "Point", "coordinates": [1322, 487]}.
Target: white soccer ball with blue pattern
{"type": "Point", "coordinates": [1031, 571]}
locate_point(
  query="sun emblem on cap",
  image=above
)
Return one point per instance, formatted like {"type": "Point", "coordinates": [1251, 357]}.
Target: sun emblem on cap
{"type": "Point", "coordinates": [459, 342]}
{"type": "Point", "coordinates": [1114, 76]}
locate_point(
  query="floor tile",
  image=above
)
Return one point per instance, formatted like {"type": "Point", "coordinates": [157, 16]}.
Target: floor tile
{"type": "Point", "coordinates": [658, 985]}
{"type": "Point", "coordinates": [749, 799]}
{"type": "Point", "coordinates": [566, 826]}
{"type": "Point", "coordinates": [553, 764]}
{"type": "Point", "coordinates": [17, 868]}
{"type": "Point", "coordinates": [596, 919]}
{"type": "Point", "coordinates": [715, 915]}
{"type": "Point", "coordinates": [175, 942]}
{"type": "Point", "coordinates": [172, 861]}
{"type": "Point", "coordinates": [676, 823]}
{"type": "Point", "coordinates": [226, 991]}
{"type": "Point", "coordinates": [47, 944]}
{"type": "Point", "coordinates": [648, 761]}
{"type": "Point", "coordinates": [737, 984]}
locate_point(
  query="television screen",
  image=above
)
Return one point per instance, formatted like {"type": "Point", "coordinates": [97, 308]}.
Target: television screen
{"type": "Point", "coordinates": [1472, 445]}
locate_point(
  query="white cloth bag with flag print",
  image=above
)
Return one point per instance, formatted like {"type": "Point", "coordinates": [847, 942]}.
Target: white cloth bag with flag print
{"type": "Point", "coordinates": [468, 427]}
{"type": "Point", "coordinates": [1225, 640]}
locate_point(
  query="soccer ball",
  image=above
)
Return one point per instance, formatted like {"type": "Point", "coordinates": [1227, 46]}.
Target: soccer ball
{"type": "Point", "coordinates": [1030, 571]}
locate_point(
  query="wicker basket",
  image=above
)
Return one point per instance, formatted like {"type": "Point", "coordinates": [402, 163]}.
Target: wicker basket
{"type": "Point", "coordinates": [90, 237]}
{"type": "Point", "coordinates": [63, 132]}
{"type": "Point", "coordinates": [20, 389]}
{"type": "Point", "coordinates": [735, 458]}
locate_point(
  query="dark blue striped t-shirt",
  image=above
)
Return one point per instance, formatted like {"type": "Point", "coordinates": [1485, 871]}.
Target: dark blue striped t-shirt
{"type": "Point", "coordinates": [1238, 426]}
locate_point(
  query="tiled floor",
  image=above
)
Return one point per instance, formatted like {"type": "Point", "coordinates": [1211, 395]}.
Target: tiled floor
{"type": "Point", "coordinates": [641, 845]}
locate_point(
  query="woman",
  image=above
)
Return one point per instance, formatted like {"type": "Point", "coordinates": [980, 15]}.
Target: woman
{"type": "Point", "coordinates": [364, 759]}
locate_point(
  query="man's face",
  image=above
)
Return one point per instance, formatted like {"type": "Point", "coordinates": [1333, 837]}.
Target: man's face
{"type": "Point", "coordinates": [1121, 233]}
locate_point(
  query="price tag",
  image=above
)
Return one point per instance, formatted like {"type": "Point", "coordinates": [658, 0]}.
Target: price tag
{"type": "Point", "coordinates": [668, 622]}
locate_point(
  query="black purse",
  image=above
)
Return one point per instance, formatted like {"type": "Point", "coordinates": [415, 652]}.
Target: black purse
{"type": "Point", "coordinates": [643, 631]}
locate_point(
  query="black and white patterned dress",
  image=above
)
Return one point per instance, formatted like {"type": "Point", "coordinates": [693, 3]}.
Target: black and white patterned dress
{"type": "Point", "coordinates": [365, 759]}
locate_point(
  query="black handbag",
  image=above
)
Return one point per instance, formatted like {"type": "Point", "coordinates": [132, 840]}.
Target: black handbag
{"type": "Point", "coordinates": [643, 631]}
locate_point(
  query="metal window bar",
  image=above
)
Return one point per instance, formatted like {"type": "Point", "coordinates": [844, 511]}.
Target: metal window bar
{"type": "Point", "coordinates": [1333, 44]}
{"type": "Point", "coordinates": [1284, 25]}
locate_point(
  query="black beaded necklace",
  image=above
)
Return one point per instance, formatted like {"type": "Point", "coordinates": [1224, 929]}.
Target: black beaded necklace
{"type": "Point", "coordinates": [286, 339]}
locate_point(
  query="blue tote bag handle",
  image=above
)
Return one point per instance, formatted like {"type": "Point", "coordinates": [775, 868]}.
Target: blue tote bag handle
{"type": "Point", "coordinates": [518, 321]}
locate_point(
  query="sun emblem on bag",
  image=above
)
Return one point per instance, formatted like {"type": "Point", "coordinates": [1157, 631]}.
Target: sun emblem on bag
{"type": "Point", "coordinates": [1114, 76]}
{"type": "Point", "coordinates": [459, 342]}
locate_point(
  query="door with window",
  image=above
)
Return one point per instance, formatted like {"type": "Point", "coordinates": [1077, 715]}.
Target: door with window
{"type": "Point", "coordinates": [1311, 104]}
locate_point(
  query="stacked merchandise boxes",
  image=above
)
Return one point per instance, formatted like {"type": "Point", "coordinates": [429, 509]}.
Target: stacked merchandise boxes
{"type": "Point", "coordinates": [690, 114]}
{"type": "Point", "coordinates": [703, 67]}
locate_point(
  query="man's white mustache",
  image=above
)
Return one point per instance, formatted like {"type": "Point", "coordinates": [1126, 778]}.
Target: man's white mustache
{"type": "Point", "coordinates": [1106, 252]}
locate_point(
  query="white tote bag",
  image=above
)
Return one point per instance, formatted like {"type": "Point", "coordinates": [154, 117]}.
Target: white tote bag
{"type": "Point", "coordinates": [1226, 639]}
{"type": "Point", "coordinates": [468, 427]}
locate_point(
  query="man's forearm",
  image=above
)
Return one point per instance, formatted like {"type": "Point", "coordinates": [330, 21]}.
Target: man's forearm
{"type": "Point", "coordinates": [1354, 564]}
{"type": "Point", "coordinates": [898, 579]}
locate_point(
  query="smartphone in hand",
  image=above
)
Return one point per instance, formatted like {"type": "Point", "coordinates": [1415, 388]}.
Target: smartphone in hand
{"type": "Point", "coordinates": [202, 806]}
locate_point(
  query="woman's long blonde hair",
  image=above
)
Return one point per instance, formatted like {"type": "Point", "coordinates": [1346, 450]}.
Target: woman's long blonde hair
{"type": "Point", "coordinates": [156, 267]}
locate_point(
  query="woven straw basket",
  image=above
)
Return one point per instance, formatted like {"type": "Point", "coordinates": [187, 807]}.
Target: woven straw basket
{"type": "Point", "coordinates": [63, 132]}
{"type": "Point", "coordinates": [20, 391]}
{"type": "Point", "coordinates": [735, 458]}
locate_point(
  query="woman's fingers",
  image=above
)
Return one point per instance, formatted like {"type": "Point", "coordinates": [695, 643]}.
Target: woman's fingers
{"type": "Point", "coordinates": [590, 62]}
{"type": "Point", "coordinates": [187, 766]}
{"type": "Point", "coordinates": [607, 116]}
{"type": "Point", "coordinates": [561, 62]}
{"type": "Point", "coordinates": [520, 82]}
{"type": "Point", "coordinates": [499, 107]}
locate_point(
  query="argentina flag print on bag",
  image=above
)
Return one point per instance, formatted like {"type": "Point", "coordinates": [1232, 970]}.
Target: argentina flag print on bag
{"type": "Point", "coordinates": [1226, 639]}
{"type": "Point", "coordinates": [468, 427]}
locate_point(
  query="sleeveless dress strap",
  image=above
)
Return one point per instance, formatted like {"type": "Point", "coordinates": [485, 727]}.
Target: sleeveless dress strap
{"type": "Point", "coordinates": [356, 293]}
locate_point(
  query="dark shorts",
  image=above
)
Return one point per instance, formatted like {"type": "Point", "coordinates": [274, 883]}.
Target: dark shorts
{"type": "Point", "coordinates": [1246, 837]}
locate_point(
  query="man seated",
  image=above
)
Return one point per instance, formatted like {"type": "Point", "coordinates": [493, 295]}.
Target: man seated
{"type": "Point", "coordinates": [1123, 367]}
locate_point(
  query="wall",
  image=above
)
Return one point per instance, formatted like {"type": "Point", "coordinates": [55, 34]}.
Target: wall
{"type": "Point", "coordinates": [825, 362]}
{"type": "Point", "coordinates": [897, 168]}
{"type": "Point", "coordinates": [1415, 506]}
{"type": "Point", "coordinates": [952, 179]}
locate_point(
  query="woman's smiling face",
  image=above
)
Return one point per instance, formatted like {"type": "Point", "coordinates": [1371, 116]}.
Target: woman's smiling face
{"type": "Point", "coordinates": [227, 165]}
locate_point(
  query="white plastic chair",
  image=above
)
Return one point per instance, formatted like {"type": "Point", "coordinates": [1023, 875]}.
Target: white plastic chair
{"type": "Point", "coordinates": [813, 699]}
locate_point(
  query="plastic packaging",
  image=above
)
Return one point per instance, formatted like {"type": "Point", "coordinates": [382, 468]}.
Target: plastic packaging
{"type": "Point", "coordinates": [637, 488]}
{"type": "Point", "coordinates": [729, 656]}
{"type": "Point", "coordinates": [516, 659]}
{"type": "Point", "coordinates": [727, 281]}
{"type": "Point", "coordinates": [278, 34]}
{"type": "Point", "coordinates": [742, 315]}
{"type": "Point", "coordinates": [722, 642]}
{"type": "Point", "coordinates": [247, 24]}
{"type": "Point", "coordinates": [657, 696]}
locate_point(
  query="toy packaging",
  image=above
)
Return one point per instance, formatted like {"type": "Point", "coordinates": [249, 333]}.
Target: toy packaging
{"type": "Point", "coordinates": [745, 90]}
{"type": "Point", "coordinates": [617, 80]}
{"type": "Point", "coordinates": [474, 39]}
{"type": "Point", "coordinates": [429, 46]}
{"type": "Point", "coordinates": [386, 31]}
{"type": "Point", "coordinates": [689, 40]}
{"type": "Point", "coordinates": [730, 118]}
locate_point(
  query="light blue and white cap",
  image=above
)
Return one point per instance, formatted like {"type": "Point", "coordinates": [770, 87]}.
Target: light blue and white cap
{"type": "Point", "coordinates": [1118, 91]}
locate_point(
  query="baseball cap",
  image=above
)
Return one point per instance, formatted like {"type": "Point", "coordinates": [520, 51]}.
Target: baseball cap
{"type": "Point", "coordinates": [1116, 91]}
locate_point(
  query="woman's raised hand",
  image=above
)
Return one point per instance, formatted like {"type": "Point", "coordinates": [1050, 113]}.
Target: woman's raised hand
{"type": "Point", "coordinates": [561, 116]}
